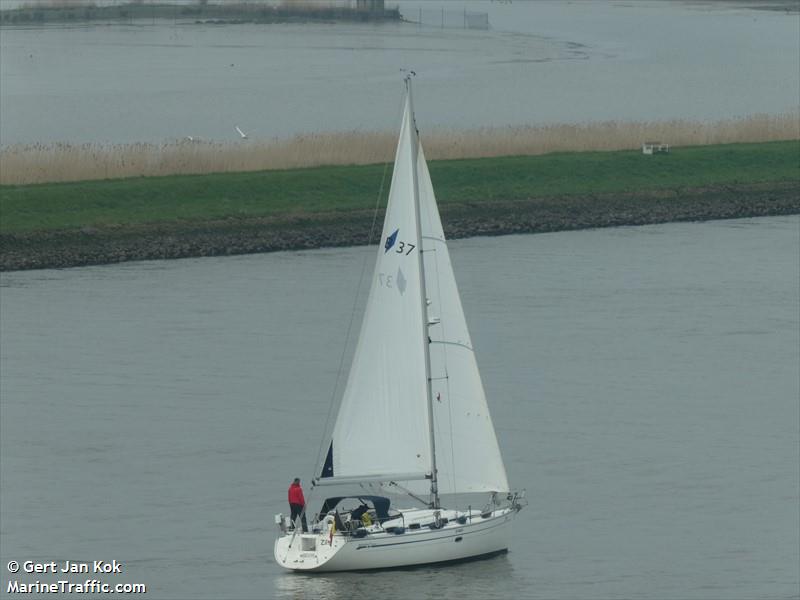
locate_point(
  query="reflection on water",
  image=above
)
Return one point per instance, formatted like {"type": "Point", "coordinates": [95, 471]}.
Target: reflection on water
{"type": "Point", "coordinates": [480, 577]}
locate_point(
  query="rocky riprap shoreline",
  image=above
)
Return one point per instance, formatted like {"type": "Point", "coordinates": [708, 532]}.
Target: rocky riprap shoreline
{"type": "Point", "coordinates": [94, 246]}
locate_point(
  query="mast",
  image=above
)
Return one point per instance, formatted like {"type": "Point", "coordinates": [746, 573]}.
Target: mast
{"type": "Point", "coordinates": [423, 299]}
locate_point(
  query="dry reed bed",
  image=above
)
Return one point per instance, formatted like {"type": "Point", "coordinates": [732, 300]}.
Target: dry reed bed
{"type": "Point", "coordinates": [41, 163]}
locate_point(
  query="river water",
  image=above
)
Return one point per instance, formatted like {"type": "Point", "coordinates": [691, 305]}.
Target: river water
{"type": "Point", "coordinates": [540, 63]}
{"type": "Point", "coordinates": [643, 383]}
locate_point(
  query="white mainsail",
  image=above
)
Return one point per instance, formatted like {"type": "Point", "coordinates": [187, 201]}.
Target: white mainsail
{"type": "Point", "coordinates": [382, 432]}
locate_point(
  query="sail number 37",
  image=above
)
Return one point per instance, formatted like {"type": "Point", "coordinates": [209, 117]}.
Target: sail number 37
{"type": "Point", "coordinates": [401, 248]}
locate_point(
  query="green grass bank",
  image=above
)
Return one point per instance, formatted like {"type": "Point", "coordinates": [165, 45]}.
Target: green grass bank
{"type": "Point", "coordinates": [66, 224]}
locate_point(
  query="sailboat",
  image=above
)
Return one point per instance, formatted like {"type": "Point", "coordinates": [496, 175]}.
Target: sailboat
{"type": "Point", "coordinates": [413, 418]}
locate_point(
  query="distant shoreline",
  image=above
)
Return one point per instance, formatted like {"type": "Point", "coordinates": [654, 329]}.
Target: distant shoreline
{"type": "Point", "coordinates": [784, 6]}
{"type": "Point", "coordinates": [96, 246]}
{"type": "Point", "coordinates": [225, 13]}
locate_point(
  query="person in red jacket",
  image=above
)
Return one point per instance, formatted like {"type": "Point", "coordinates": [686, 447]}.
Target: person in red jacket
{"type": "Point", "coordinates": [297, 503]}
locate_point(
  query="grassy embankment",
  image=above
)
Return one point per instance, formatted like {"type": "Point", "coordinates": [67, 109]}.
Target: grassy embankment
{"type": "Point", "coordinates": [130, 218]}
{"type": "Point", "coordinates": [345, 188]}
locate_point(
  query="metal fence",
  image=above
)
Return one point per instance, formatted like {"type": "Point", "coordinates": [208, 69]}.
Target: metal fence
{"type": "Point", "coordinates": [451, 19]}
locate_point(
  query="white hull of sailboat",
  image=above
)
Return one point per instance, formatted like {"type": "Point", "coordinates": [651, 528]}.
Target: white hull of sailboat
{"type": "Point", "coordinates": [453, 542]}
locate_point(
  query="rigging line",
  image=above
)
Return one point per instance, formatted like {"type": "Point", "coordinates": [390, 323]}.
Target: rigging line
{"type": "Point", "coordinates": [443, 322]}
{"type": "Point", "coordinates": [348, 332]}
{"type": "Point", "coordinates": [450, 416]}
{"type": "Point", "coordinates": [447, 386]}
{"type": "Point", "coordinates": [409, 492]}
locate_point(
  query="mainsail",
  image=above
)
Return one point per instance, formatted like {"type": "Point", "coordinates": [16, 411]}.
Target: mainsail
{"type": "Point", "coordinates": [383, 430]}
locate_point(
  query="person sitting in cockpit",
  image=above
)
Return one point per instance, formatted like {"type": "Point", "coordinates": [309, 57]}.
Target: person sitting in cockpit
{"type": "Point", "coordinates": [359, 512]}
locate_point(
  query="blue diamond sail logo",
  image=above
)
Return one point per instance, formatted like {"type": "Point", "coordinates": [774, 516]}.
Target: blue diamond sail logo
{"type": "Point", "coordinates": [390, 241]}
{"type": "Point", "coordinates": [401, 281]}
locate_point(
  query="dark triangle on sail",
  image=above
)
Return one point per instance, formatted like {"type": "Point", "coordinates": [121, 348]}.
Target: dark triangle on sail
{"type": "Point", "coordinates": [327, 468]}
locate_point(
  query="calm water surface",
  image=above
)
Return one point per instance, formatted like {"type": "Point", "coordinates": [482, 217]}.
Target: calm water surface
{"type": "Point", "coordinates": [643, 382]}
{"type": "Point", "coordinates": [542, 62]}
